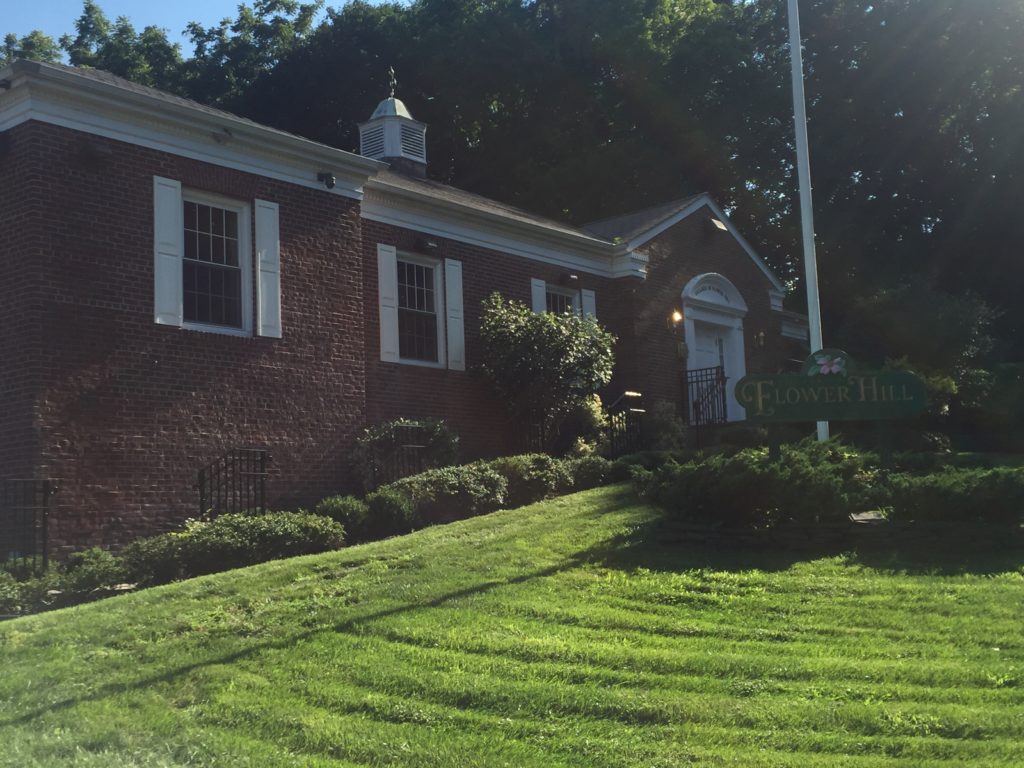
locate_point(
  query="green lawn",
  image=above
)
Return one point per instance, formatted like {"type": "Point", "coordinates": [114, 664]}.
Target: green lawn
{"type": "Point", "coordinates": [562, 634]}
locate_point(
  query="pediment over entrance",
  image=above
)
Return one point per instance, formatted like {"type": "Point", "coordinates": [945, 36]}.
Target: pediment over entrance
{"type": "Point", "coordinates": [714, 291]}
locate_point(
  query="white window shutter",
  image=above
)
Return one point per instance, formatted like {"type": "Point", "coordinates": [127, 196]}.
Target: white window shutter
{"type": "Point", "coordinates": [268, 263]}
{"type": "Point", "coordinates": [589, 302]}
{"type": "Point", "coordinates": [539, 292]}
{"type": "Point", "coordinates": [456, 320]}
{"type": "Point", "coordinates": [387, 288]}
{"type": "Point", "coordinates": [168, 251]}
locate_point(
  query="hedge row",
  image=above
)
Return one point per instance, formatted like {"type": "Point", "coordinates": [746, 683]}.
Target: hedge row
{"type": "Point", "coordinates": [456, 493]}
{"type": "Point", "coordinates": [821, 483]}
{"type": "Point", "coordinates": [204, 546]}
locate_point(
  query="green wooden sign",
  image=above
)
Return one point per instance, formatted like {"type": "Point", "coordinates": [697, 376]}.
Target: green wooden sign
{"type": "Point", "coordinates": [831, 388]}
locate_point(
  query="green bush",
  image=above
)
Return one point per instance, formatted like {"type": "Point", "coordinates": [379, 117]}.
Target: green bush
{"type": "Point", "coordinates": [390, 512]}
{"type": "Point", "coordinates": [591, 472]}
{"type": "Point", "coordinates": [10, 595]}
{"type": "Point", "coordinates": [982, 496]}
{"type": "Point", "coordinates": [379, 444]}
{"type": "Point", "coordinates": [350, 511]}
{"type": "Point", "coordinates": [530, 477]}
{"type": "Point", "coordinates": [29, 594]}
{"type": "Point", "coordinates": [812, 483]}
{"type": "Point", "coordinates": [229, 541]}
{"type": "Point", "coordinates": [663, 427]}
{"type": "Point", "coordinates": [91, 569]}
{"type": "Point", "coordinates": [454, 493]}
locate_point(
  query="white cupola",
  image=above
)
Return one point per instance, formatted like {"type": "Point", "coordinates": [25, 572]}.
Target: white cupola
{"type": "Point", "coordinates": [393, 136]}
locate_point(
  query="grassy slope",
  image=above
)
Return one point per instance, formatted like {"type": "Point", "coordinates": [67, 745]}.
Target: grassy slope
{"type": "Point", "coordinates": [558, 635]}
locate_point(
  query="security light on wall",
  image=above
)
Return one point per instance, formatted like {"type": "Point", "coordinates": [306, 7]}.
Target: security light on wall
{"type": "Point", "coordinates": [675, 319]}
{"type": "Point", "coordinates": [327, 179]}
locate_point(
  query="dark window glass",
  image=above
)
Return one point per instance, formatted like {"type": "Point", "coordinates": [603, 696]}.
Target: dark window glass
{"type": "Point", "coordinates": [417, 312]}
{"type": "Point", "coordinates": [560, 303]}
{"type": "Point", "coordinates": [212, 277]}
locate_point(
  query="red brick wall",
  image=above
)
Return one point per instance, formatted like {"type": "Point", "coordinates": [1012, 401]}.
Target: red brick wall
{"type": "Point", "coordinates": [127, 410]}
{"type": "Point", "coordinates": [463, 398]}
{"type": "Point", "coordinates": [651, 362]}
{"type": "Point", "coordinates": [21, 250]}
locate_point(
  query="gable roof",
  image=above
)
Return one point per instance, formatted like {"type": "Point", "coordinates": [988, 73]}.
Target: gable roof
{"type": "Point", "coordinates": [628, 226]}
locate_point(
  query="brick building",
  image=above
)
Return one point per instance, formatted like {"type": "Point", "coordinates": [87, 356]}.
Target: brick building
{"type": "Point", "coordinates": [180, 281]}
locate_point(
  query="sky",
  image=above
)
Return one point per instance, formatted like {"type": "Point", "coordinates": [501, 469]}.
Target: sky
{"type": "Point", "coordinates": [56, 17]}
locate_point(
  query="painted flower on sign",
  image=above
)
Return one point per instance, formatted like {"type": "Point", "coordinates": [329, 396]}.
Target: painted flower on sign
{"type": "Point", "coordinates": [827, 364]}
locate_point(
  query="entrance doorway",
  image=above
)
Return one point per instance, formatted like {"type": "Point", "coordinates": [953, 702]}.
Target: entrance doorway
{"type": "Point", "coordinates": [714, 311]}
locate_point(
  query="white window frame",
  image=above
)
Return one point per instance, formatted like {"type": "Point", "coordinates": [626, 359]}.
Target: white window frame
{"type": "Point", "coordinates": [244, 212]}
{"type": "Point", "coordinates": [440, 309]}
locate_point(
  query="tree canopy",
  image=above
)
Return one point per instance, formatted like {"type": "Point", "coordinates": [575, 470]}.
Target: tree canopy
{"type": "Point", "coordinates": [580, 109]}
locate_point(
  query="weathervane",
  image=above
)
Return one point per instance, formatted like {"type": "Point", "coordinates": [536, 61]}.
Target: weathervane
{"type": "Point", "coordinates": [392, 81]}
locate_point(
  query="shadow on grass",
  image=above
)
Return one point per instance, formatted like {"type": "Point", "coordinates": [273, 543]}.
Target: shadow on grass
{"type": "Point", "coordinates": [650, 546]}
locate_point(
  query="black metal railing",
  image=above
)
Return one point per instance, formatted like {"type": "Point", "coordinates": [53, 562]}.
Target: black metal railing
{"type": "Point", "coordinates": [24, 515]}
{"type": "Point", "coordinates": [705, 394]}
{"type": "Point", "coordinates": [406, 455]}
{"type": "Point", "coordinates": [236, 482]}
{"type": "Point", "coordinates": [625, 424]}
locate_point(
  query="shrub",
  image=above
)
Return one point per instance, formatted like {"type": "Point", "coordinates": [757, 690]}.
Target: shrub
{"type": "Point", "coordinates": [542, 364]}
{"type": "Point", "coordinates": [454, 493]}
{"type": "Point", "coordinates": [379, 446]}
{"type": "Point", "coordinates": [530, 477]}
{"type": "Point", "coordinates": [664, 429]}
{"type": "Point", "coordinates": [590, 472]}
{"type": "Point", "coordinates": [812, 483]}
{"type": "Point", "coordinates": [10, 595]}
{"type": "Point", "coordinates": [92, 569]}
{"type": "Point", "coordinates": [350, 511]}
{"type": "Point", "coordinates": [985, 496]}
{"type": "Point", "coordinates": [390, 512]}
{"type": "Point", "coordinates": [229, 541]}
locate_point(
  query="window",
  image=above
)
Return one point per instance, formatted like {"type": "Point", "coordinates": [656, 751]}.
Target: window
{"type": "Point", "coordinates": [421, 318]}
{"type": "Point", "coordinates": [548, 297]}
{"type": "Point", "coordinates": [212, 266]}
{"type": "Point", "coordinates": [561, 300]}
{"type": "Point", "coordinates": [418, 319]}
{"type": "Point", "coordinates": [204, 261]}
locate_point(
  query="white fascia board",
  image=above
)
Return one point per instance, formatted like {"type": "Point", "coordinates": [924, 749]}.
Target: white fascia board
{"type": "Point", "coordinates": [794, 329]}
{"type": "Point", "coordinates": [404, 208]}
{"type": "Point", "coordinates": [775, 297]}
{"type": "Point", "coordinates": [696, 205]}
{"type": "Point", "coordinates": [60, 98]}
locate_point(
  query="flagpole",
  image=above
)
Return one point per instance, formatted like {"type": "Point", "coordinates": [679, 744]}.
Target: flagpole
{"type": "Point", "coordinates": [804, 176]}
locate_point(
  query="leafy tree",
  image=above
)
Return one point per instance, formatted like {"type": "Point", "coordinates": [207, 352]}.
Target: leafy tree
{"type": "Point", "coordinates": [35, 45]}
{"type": "Point", "coordinates": [543, 365]}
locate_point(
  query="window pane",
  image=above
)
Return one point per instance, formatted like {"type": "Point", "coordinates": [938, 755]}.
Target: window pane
{"type": "Point", "coordinates": [417, 312]}
{"type": "Point", "coordinates": [211, 277]}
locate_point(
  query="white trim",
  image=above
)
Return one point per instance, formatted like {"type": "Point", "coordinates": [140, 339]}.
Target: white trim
{"type": "Point", "coordinates": [63, 98]}
{"type": "Point", "coordinates": [794, 329]}
{"type": "Point", "coordinates": [588, 303]}
{"type": "Point", "coordinates": [387, 301]}
{"type": "Point", "coordinates": [689, 210]}
{"type": "Point", "coordinates": [725, 298]}
{"type": "Point", "coordinates": [455, 319]}
{"type": "Point", "coordinates": [399, 207]}
{"type": "Point", "coordinates": [267, 220]}
{"type": "Point", "coordinates": [775, 298]}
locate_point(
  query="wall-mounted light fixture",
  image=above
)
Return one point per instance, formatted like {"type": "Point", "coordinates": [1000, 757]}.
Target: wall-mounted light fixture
{"type": "Point", "coordinates": [759, 339]}
{"type": "Point", "coordinates": [426, 244]}
{"type": "Point", "coordinates": [327, 179]}
{"type": "Point", "coordinates": [568, 279]}
{"type": "Point", "coordinates": [674, 320]}
{"type": "Point", "coordinates": [716, 225]}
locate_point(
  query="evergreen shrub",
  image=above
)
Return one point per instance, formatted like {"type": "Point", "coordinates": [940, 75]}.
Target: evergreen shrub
{"type": "Point", "coordinates": [229, 541]}
{"type": "Point", "coordinates": [454, 493]}
{"type": "Point", "coordinates": [530, 477]}
{"type": "Point", "coordinates": [390, 512]}
{"type": "Point", "coordinates": [992, 497]}
{"type": "Point", "coordinates": [350, 511]}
